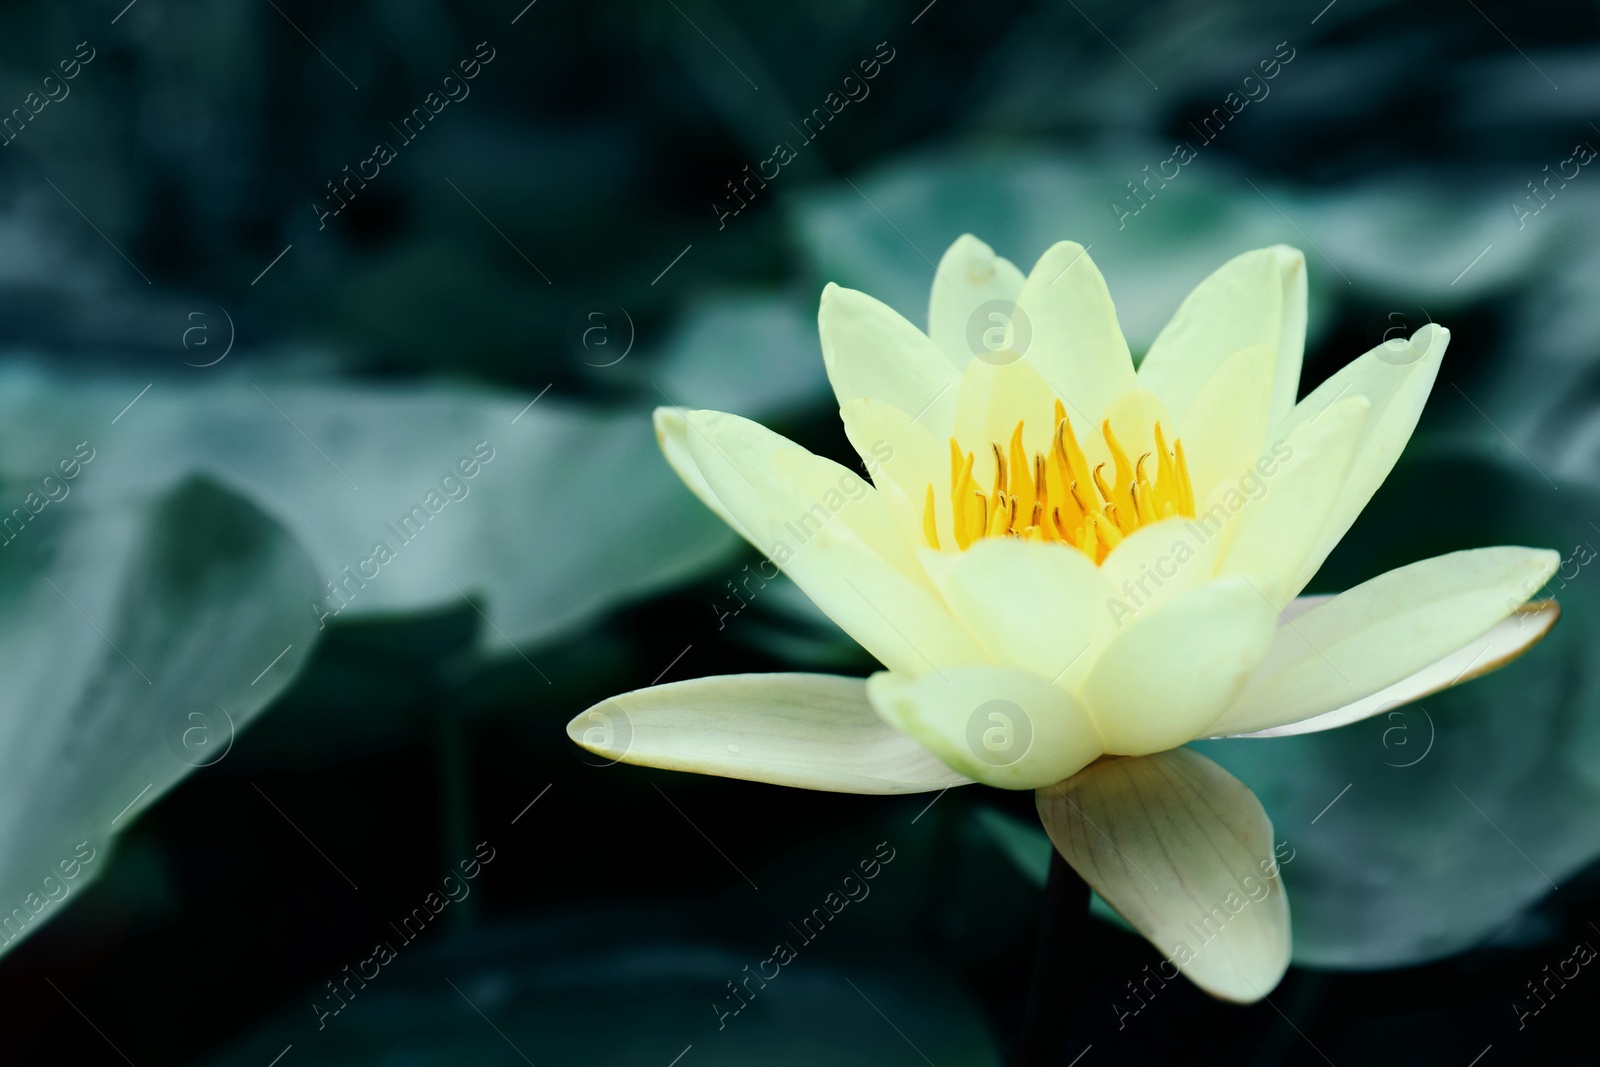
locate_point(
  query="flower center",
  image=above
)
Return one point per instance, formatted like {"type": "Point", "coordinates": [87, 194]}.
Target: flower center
{"type": "Point", "coordinates": [1057, 497]}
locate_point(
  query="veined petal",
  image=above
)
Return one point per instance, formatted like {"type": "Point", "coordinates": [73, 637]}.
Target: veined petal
{"type": "Point", "coordinates": [1168, 675]}
{"type": "Point", "coordinates": [1510, 638]}
{"type": "Point", "coordinates": [1003, 727]}
{"type": "Point", "coordinates": [1036, 606]}
{"type": "Point", "coordinates": [1394, 628]}
{"type": "Point", "coordinates": [811, 731]}
{"type": "Point", "coordinates": [1277, 529]}
{"type": "Point", "coordinates": [974, 298]}
{"type": "Point", "coordinates": [1258, 298]}
{"type": "Point", "coordinates": [1076, 342]}
{"type": "Point", "coordinates": [1396, 377]}
{"type": "Point", "coordinates": [834, 544]}
{"type": "Point", "coordinates": [1183, 851]}
{"type": "Point", "coordinates": [871, 351]}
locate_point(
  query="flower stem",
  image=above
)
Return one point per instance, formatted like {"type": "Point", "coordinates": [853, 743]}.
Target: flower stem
{"type": "Point", "coordinates": [1057, 969]}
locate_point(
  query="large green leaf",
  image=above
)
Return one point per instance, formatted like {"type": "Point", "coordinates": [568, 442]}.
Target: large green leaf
{"type": "Point", "coordinates": [135, 640]}
{"type": "Point", "coordinates": [567, 511]}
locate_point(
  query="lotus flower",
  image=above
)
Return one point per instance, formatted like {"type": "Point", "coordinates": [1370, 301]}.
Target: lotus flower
{"type": "Point", "coordinates": [1070, 568]}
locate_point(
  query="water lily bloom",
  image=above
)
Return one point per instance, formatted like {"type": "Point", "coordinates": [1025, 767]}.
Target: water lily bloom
{"type": "Point", "coordinates": [1070, 568]}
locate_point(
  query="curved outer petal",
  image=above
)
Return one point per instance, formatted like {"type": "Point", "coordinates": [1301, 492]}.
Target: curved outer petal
{"type": "Point", "coordinates": [871, 351]}
{"type": "Point", "coordinates": [1386, 630]}
{"type": "Point", "coordinates": [672, 434]}
{"type": "Point", "coordinates": [974, 292]}
{"type": "Point", "coordinates": [1169, 674]}
{"type": "Point", "coordinates": [1183, 851]}
{"type": "Point", "coordinates": [1036, 607]}
{"type": "Point", "coordinates": [1003, 727]}
{"type": "Point", "coordinates": [1510, 638]}
{"type": "Point", "coordinates": [812, 731]}
{"type": "Point", "coordinates": [1258, 298]}
{"type": "Point", "coordinates": [1275, 531]}
{"type": "Point", "coordinates": [1076, 342]}
{"type": "Point", "coordinates": [1397, 378]}
{"type": "Point", "coordinates": [839, 548]}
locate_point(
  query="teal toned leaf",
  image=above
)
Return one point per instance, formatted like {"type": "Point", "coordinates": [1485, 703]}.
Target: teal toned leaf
{"type": "Point", "coordinates": [565, 512]}
{"type": "Point", "coordinates": [136, 640]}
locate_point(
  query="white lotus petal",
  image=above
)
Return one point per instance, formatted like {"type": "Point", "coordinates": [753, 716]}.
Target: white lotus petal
{"type": "Point", "coordinates": [1133, 417]}
{"type": "Point", "coordinates": [871, 351]}
{"type": "Point", "coordinates": [1224, 431]}
{"type": "Point", "coordinates": [1075, 340]}
{"type": "Point", "coordinates": [1278, 528]}
{"type": "Point", "coordinates": [1002, 727]}
{"type": "Point", "coordinates": [1168, 675]}
{"type": "Point", "coordinates": [830, 531]}
{"type": "Point", "coordinates": [811, 731]}
{"type": "Point", "coordinates": [974, 296]}
{"type": "Point", "coordinates": [1253, 299]}
{"type": "Point", "coordinates": [992, 399]}
{"type": "Point", "coordinates": [1160, 562]}
{"type": "Point", "coordinates": [1396, 377]}
{"type": "Point", "coordinates": [1386, 630]}
{"type": "Point", "coordinates": [1038, 607]}
{"type": "Point", "coordinates": [904, 459]}
{"type": "Point", "coordinates": [672, 434]}
{"type": "Point", "coordinates": [1183, 851]}
{"type": "Point", "coordinates": [1509, 639]}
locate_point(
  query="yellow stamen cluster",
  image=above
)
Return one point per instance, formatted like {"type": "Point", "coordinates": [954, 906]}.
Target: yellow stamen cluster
{"type": "Point", "coordinates": [1056, 497]}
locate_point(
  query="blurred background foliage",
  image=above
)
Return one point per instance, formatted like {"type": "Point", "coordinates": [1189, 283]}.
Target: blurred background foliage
{"type": "Point", "coordinates": [564, 236]}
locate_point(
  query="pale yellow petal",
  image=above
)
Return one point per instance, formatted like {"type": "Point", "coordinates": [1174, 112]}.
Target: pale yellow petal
{"type": "Point", "coordinates": [1002, 727]}
{"type": "Point", "coordinates": [1258, 298]}
{"type": "Point", "coordinates": [1170, 672]}
{"type": "Point", "coordinates": [1041, 607]}
{"type": "Point", "coordinates": [829, 531]}
{"type": "Point", "coordinates": [1508, 640]}
{"type": "Point", "coordinates": [672, 434]}
{"type": "Point", "coordinates": [1158, 563]}
{"type": "Point", "coordinates": [1224, 431]}
{"type": "Point", "coordinates": [1184, 852]}
{"type": "Point", "coordinates": [1396, 377]}
{"type": "Point", "coordinates": [1076, 342]}
{"type": "Point", "coordinates": [871, 351]}
{"type": "Point", "coordinates": [1282, 510]}
{"type": "Point", "coordinates": [1133, 417]}
{"type": "Point", "coordinates": [904, 459]}
{"type": "Point", "coordinates": [1386, 630]}
{"type": "Point", "coordinates": [811, 731]}
{"type": "Point", "coordinates": [972, 308]}
{"type": "Point", "coordinates": [992, 399]}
